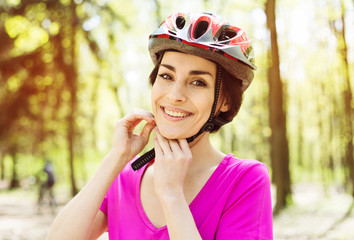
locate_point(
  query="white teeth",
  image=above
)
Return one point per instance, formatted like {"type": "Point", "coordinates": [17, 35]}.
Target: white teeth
{"type": "Point", "coordinates": [175, 114]}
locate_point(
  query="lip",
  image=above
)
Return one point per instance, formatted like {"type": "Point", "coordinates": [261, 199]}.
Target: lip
{"type": "Point", "coordinates": [174, 109]}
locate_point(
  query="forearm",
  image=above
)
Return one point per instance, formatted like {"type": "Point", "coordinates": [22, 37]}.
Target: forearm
{"type": "Point", "coordinates": [76, 219]}
{"type": "Point", "coordinates": [179, 219]}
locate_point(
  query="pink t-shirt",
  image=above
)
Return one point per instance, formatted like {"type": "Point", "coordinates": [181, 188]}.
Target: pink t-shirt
{"type": "Point", "coordinates": [235, 203]}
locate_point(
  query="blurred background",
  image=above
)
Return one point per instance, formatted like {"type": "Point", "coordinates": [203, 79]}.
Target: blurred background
{"type": "Point", "coordinates": [69, 69]}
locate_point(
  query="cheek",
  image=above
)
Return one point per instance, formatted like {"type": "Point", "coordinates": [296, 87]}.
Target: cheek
{"type": "Point", "coordinates": [154, 97]}
{"type": "Point", "coordinates": [204, 105]}
{"type": "Point", "coordinates": [207, 108]}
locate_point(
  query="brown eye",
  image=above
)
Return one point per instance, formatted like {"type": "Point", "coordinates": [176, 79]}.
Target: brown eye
{"type": "Point", "coordinates": [165, 76]}
{"type": "Point", "coordinates": [199, 83]}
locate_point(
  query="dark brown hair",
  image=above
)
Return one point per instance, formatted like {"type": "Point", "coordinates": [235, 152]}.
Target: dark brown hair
{"type": "Point", "coordinates": [231, 92]}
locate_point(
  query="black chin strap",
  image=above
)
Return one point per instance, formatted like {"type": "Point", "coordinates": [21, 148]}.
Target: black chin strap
{"type": "Point", "coordinates": [207, 127]}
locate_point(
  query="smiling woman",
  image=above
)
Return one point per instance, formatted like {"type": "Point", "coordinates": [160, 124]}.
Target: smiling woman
{"type": "Point", "coordinates": [182, 94]}
{"type": "Point", "coordinates": [190, 190]}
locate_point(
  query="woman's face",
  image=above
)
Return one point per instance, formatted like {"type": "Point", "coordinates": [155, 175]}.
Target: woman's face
{"type": "Point", "coordinates": [183, 94]}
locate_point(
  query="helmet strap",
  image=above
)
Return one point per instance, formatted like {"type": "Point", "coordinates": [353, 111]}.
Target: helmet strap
{"type": "Point", "coordinates": [212, 121]}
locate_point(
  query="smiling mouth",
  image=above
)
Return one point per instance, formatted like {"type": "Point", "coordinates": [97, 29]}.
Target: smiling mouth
{"type": "Point", "coordinates": [175, 114]}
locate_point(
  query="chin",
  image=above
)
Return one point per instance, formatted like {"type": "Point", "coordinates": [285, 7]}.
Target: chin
{"type": "Point", "coordinates": [170, 134]}
{"type": "Point", "coordinates": [176, 133]}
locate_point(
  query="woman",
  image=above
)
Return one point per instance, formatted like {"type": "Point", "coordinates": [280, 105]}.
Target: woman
{"type": "Point", "coordinates": [190, 190]}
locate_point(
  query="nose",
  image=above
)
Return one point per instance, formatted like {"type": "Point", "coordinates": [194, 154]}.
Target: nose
{"type": "Point", "coordinates": [177, 92]}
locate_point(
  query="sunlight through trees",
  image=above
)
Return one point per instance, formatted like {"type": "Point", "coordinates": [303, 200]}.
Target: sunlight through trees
{"type": "Point", "coordinates": [70, 69]}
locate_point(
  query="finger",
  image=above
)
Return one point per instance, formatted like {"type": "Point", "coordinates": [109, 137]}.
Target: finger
{"type": "Point", "coordinates": [132, 125]}
{"type": "Point", "coordinates": [134, 118]}
{"type": "Point", "coordinates": [140, 114]}
{"type": "Point", "coordinates": [174, 145]}
{"type": "Point", "coordinates": [149, 116]}
{"type": "Point", "coordinates": [158, 150]}
{"type": "Point", "coordinates": [145, 133]}
{"type": "Point", "coordinates": [184, 145]}
{"type": "Point", "coordinates": [165, 146]}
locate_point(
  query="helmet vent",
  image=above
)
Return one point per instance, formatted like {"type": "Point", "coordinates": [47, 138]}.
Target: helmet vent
{"type": "Point", "coordinates": [180, 22]}
{"type": "Point", "coordinates": [227, 34]}
{"type": "Point", "coordinates": [173, 33]}
{"type": "Point", "coordinates": [200, 29]}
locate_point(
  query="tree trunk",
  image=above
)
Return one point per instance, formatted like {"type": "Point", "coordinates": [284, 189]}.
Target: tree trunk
{"type": "Point", "coordinates": [15, 183]}
{"type": "Point", "coordinates": [277, 118]}
{"type": "Point", "coordinates": [71, 139]}
{"type": "Point", "coordinates": [2, 166]}
{"type": "Point", "coordinates": [66, 60]}
{"type": "Point", "coordinates": [300, 138]}
{"type": "Point", "coordinates": [72, 81]}
{"type": "Point", "coordinates": [348, 98]}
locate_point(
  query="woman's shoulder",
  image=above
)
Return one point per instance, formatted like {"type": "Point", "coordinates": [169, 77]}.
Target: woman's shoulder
{"type": "Point", "coordinates": [246, 176]}
{"type": "Point", "coordinates": [233, 162]}
{"type": "Point", "coordinates": [128, 174]}
{"type": "Point", "coordinates": [241, 167]}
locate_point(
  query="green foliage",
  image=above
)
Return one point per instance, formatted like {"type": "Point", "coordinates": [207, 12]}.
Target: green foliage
{"type": "Point", "coordinates": [104, 45]}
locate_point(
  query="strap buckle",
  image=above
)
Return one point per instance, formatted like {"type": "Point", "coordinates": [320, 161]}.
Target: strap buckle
{"type": "Point", "coordinates": [208, 127]}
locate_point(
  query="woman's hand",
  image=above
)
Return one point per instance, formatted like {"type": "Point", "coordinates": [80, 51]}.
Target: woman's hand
{"type": "Point", "coordinates": [172, 160]}
{"type": "Point", "coordinates": [125, 141]}
{"type": "Point", "coordinates": [80, 218]}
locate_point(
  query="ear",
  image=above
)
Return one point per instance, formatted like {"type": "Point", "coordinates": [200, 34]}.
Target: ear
{"type": "Point", "coordinates": [225, 106]}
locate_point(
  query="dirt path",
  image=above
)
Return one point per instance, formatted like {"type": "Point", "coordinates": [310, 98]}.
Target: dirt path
{"type": "Point", "coordinates": [22, 219]}
{"type": "Point", "coordinates": [315, 214]}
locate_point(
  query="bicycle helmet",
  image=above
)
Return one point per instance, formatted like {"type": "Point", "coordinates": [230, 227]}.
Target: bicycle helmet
{"type": "Point", "coordinates": [207, 36]}
{"type": "Point", "coordinates": [210, 37]}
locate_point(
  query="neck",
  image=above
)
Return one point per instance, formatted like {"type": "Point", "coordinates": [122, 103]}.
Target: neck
{"type": "Point", "coordinates": [204, 154]}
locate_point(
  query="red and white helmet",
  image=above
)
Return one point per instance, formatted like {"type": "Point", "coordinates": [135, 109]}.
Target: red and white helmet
{"type": "Point", "coordinates": [207, 36]}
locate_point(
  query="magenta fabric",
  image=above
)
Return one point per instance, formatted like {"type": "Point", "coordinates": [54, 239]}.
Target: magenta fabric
{"type": "Point", "coordinates": [235, 203]}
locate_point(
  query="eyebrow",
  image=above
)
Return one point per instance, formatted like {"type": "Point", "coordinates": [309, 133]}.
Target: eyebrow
{"type": "Point", "coordinates": [193, 72]}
